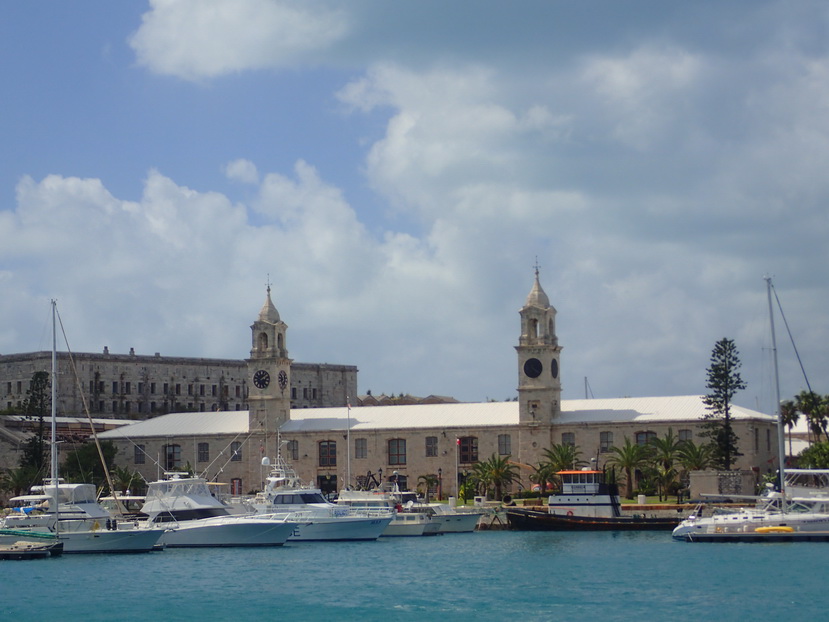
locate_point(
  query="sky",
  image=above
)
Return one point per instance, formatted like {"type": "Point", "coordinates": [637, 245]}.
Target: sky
{"type": "Point", "coordinates": [397, 170]}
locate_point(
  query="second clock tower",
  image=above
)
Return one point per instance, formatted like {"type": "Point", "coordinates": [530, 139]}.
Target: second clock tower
{"type": "Point", "coordinates": [539, 382]}
{"type": "Point", "coordinates": [269, 373]}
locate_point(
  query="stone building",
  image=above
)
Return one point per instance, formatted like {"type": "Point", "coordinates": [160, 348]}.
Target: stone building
{"type": "Point", "coordinates": [338, 446]}
{"type": "Point", "coordinates": [133, 386]}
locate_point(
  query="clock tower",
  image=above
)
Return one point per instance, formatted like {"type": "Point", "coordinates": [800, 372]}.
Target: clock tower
{"type": "Point", "coordinates": [539, 383]}
{"type": "Point", "coordinates": [269, 373]}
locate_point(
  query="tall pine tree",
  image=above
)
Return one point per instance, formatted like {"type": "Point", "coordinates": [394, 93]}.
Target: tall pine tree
{"type": "Point", "coordinates": [723, 382]}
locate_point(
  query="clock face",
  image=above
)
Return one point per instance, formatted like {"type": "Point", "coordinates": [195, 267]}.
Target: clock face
{"type": "Point", "coordinates": [282, 378]}
{"type": "Point", "coordinates": [261, 379]}
{"type": "Point", "coordinates": [554, 368]}
{"type": "Point", "coordinates": [533, 368]}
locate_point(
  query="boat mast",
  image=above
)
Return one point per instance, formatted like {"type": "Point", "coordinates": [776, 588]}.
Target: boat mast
{"type": "Point", "coordinates": [348, 444]}
{"type": "Point", "coordinates": [781, 442]}
{"type": "Point", "coordinates": [54, 400]}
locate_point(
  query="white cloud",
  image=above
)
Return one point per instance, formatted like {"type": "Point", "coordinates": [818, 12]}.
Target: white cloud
{"type": "Point", "coordinates": [243, 171]}
{"type": "Point", "coordinates": [196, 39]}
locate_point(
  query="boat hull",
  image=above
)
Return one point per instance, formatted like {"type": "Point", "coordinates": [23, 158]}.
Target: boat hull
{"type": "Point", "coordinates": [102, 541]}
{"type": "Point", "coordinates": [340, 529]}
{"type": "Point", "coordinates": [457, 523]}
{"type": "Point", "coordinates": [30, 550]}
{"type": "Point", "coordinates": [228, 533]}
{"type": "Point", "coordinates": [535, 520]}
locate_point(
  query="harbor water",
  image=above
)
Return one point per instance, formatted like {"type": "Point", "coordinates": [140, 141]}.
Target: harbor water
{"type": "Point", "coordinates": [480, 576]}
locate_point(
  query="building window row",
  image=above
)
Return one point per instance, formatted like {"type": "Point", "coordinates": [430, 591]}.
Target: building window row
{"type": "Point", "coordinates": [397, 450]}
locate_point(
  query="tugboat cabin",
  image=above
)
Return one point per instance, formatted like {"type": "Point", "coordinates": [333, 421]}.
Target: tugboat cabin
{"type": "Point", "coordinates": [585, 493]}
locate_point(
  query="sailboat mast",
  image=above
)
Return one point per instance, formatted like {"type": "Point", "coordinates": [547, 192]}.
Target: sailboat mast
{"type": "Point", "coordinates": [781, 442]}
{"type": "Point", "coordinates": [54, 452]}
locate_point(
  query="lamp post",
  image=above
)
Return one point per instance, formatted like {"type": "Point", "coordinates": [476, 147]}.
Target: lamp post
{"type": "Point", "coordinates": [440, 484]}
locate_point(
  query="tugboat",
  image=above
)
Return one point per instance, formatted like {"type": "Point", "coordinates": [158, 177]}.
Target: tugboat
{"type": "Point", "coordinates": [586, 503]}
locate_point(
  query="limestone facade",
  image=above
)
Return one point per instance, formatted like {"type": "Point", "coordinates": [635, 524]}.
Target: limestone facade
{"type": "Point", "coordinates": [443, 441]}
{"type": "Point", "coordinates": [134, 386]}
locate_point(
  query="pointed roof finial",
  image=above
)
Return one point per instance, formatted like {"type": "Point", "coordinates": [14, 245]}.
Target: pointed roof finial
{"type": "Point", "coordinates": [269, 312]}
{"type": "Point", "coordinates": [537, 296]}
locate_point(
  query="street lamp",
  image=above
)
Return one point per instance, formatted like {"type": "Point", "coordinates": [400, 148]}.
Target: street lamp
{"type": "Point", "coordinates": [440, 484]}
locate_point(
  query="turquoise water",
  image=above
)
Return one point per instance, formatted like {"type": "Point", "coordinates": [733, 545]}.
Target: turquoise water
{"type": "Point", "coordinates": [480, 576]}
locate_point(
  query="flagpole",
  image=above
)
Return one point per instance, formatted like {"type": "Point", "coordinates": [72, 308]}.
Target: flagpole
{"type": "Point", "coordinates": [348, 442]}
{"type": "Point", "coordinates": [457, 468]}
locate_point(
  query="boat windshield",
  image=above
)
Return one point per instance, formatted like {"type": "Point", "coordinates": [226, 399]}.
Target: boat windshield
{"type": "Point", "coordinates": [298, 498]}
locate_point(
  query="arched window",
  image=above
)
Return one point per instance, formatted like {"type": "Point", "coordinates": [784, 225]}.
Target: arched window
{"type": "Point", "coordinates": [328, 453]}
{"type": "Point", "coordinates": [643, 438]}
{"type": "Point", "coordinates": [263, 341]}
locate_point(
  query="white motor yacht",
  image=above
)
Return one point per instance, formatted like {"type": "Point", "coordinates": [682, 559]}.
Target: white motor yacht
{"type": "Point", "coordinates": [803, 509]}
{"type": "Point", "coordinates": [81, 523]}
{"type": "Point", "coordinates": [196, 518]}
{"type": "Point", "coordinates": [322, 520]}
{"type": "Point", "coordinates": [387, 501]}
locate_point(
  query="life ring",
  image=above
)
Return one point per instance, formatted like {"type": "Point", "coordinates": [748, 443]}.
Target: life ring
{"type": "Point", "coordinates": [569, 512]}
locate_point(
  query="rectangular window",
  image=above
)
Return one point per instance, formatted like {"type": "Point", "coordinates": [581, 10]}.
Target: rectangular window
{"type": "Point", "coordinates": [201, 389]}
{"type": "Point", "coordinates": [127, 387]}
{"type": "Point", "coordinates": [293, 393]}
{"type": "Point", "coordinates": [172, 457]}
{"type": "Point", "coordinates": [213, 390]}
{"type": "Point", "coordinates": [138, 455]}
{"type": "Point", "coordinates": [504, 444]}
{"type": "Point", "coordinates": [361, 448]}
{"type": "Point", "coordinates": [431, 446]}
{"type": "Point", "coordinates": [643, 438]}
{"type": "Point", "coordinates": [768, 440]}
{"type": "Point", "coordinates": [178, 389]}
{"type": "Point", "coordinates": [305, 393]}
{"type": "Point", "coordinates": [204, 452]}
{"type": "Point", "coordinates": [189, 389]}
{"type": "Point", "coordinates": [568, 438]}
{"type": "Point", "coordinates": [292, 449]}
{"type": "Point", "coordinates": [328, 453]}
{"type": "Point", "coordinates": [166, 388]}
{"type": "Point", "coordinates": [152, 388]}
{"type": "Point", "coordinates": [114, 388]}
{"type": "Point", "coordinates": [397, 451]}
{"type": "Point", "coordinates": [140, 388]}
{"type": "Point", "coordinates": [605, 441]}
{"type": "Point", "coordinates": [468, 449]}
{"type": "Point", "coordinates": [236, 451]}
{"type": "Point", "coordinates": [685, 436]}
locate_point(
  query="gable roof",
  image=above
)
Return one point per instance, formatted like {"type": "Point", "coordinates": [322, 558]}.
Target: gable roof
{"type": "Point", "coordinates": [642, 410]}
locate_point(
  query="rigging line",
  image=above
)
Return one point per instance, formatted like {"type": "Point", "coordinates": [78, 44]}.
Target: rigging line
{"type": "Point", "coordinates": [791, 338]}
{"type": "Point", "coordinates": [107, 474]}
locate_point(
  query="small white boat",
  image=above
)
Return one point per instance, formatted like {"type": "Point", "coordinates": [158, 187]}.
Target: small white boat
{"type": "Point", "coordinates": [388, 502]}
{"type": "Point", "coordinates": [321, 519]}
{"type": "Point", "coordinates": [449, 519]}
{"type": "Point", "coordinates": [81, 524]}
{"type": "Point", "coordinates": [196, 518]}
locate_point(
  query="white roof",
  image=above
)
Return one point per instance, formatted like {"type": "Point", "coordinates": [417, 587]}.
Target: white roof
{"type": "Point", "coordinates": [417, 416]}
{"type": "Point", "coordinates": [184, 424]}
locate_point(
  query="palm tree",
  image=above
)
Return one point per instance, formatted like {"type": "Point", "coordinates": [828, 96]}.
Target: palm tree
{"type": "Point", "coordinates": [790, 417]}
{"type": "Point", "coordinates": [665, 451]}
{"type": "Point", "coordinates": [695, 457]}
{"type": "Point", "coordinates": [497, 472]}
{"type": "Point", "coordinates": [630, 457]}
{"type": "Point", "coordinates": [813, 407]}
{"type": "Point", "coordinates": [563, 457]}
{"type": "Point", "coordinates": [544, 473]}
{"type": "Point", "coordinates": [429, 481]}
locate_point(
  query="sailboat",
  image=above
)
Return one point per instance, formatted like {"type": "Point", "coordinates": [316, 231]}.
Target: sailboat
{"type": "Point", "coordinates": [71, 512]}
{"type": "Point", "coordinates": [779, 515]}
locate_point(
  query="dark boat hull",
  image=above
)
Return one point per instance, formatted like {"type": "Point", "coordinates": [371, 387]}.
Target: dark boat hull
{"type": "Point", "coordinates": [29, 550]}
{"type": "Point", "coordinates": [536, 520]}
